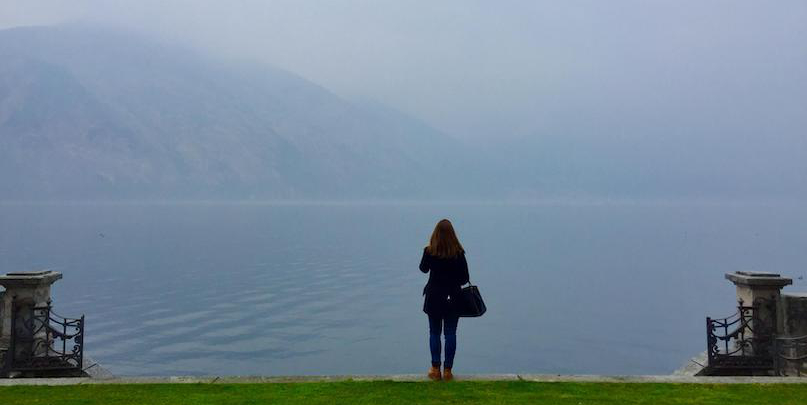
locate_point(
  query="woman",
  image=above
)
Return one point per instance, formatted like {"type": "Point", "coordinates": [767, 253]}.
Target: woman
{"type": "Point", "coordinates": [444, 260]}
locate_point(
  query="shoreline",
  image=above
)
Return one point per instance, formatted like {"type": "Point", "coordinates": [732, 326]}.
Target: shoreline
{"type": "Point", "coordinates": [538, 378]}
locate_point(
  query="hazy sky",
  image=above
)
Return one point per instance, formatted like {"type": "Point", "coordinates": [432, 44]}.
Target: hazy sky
{"type": "Point", "coordinates": [490, 69]}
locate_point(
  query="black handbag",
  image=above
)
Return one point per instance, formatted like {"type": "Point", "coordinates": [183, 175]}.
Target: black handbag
{"type": "Point", "coordinates": [471, 303]}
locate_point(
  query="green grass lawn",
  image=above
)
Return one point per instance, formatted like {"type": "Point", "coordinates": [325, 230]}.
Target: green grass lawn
{"type": "Point", "coordinates": [383, 392]}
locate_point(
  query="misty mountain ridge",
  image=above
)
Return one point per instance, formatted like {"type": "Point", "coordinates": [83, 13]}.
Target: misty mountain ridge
{"type": "Point", "coordinates": [91, 113]}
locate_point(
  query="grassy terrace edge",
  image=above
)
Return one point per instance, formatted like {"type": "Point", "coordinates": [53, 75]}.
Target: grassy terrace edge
{"type": "Point", "coordinates": [398, 392]}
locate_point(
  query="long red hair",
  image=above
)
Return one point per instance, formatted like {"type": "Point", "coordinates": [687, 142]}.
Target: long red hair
{"type": "Point", "coordinates": [444, 242]}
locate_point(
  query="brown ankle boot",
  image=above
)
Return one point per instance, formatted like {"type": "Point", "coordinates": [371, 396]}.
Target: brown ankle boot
{"type": "Point", "coordinates": [434, 373]}
{"type": "Point", "coordinates": [447, 376]}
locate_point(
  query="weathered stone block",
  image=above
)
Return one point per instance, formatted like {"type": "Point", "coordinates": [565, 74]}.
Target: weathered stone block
{"type": "Point", "coordinates": [25, 290]}
{"type": "Point", "coordinates": [794, 314]}
{"type": "Point", "coordinates": [763, 290]}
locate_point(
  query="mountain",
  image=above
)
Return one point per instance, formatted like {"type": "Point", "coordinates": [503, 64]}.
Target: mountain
{"type": "Point", "coordinates": [90, 113]}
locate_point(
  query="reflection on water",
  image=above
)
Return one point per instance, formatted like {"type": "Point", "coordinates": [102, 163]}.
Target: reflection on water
{"type": "Point", "coordinates": [333, 289]}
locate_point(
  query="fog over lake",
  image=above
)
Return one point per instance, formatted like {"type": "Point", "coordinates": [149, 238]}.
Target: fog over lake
{"type": "Point", "coordinates": [175, 289]}
{"type": "Point", "coordinates": [246, 188]}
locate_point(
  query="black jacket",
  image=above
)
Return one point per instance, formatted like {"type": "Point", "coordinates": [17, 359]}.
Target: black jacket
{"type": "Point", "coordinates": [446, 277]}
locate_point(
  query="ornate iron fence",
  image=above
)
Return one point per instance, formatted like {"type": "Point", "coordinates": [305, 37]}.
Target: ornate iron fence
{"type": "Point", "coordinates": [743, 340]}
{"type": "Point", "coordinates": [42, 341]}
{"type": "Point", "coordinates": [790, 356]}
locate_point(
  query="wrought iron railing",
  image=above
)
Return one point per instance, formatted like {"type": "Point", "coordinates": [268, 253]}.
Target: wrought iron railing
{"type": "Point", "coordinates": [44, 341]}
{"type": "Point", "coordinates": [743, 340]}
{"type": "Point", "coordinates": [790, 355]}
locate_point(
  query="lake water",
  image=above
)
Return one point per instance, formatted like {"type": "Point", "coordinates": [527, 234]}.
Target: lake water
{"type": "Point", "coordinates": [245, 289]}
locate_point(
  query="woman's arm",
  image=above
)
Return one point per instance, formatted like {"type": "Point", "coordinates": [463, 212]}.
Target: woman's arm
{"type": "Point", "coordinates": [424, 262]}
{"type": "Point", "coordinates": [464, 277]}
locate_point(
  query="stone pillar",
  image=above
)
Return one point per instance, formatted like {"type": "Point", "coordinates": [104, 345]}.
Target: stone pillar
{"type": "Point", "coordinates": [2, 315]}
{"type": "Point", "coordinates": [794, 314]}
{"type": "Point", "coordinates": [763, 291]}
{"type": "Point", "coordinates": [3, 344]}
{"type": "Point", "coordinates": [24, 291]}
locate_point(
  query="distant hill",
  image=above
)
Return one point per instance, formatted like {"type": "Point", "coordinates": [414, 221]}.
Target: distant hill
{"type": "Point", "coordinates": [93, 113]}
{"type": "Point", "coordinates": [90, 113]}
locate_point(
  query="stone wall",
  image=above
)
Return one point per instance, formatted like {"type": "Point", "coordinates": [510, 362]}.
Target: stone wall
{"type": "Point", "coordinates": [793, 313]}
{"type": "Point", "coordinates": [3, 344]}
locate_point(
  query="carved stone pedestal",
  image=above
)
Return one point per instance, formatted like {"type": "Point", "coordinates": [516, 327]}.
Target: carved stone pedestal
{"type": "Point", "coordinates": [761, 291]}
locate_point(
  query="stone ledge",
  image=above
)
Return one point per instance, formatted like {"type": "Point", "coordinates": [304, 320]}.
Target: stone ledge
{"type": "Point", "coordinates": [31, 278]}
{"type": "Point", "coordinates": [758, 279]}
{"type": "Point", "coordinates": [408, 378]}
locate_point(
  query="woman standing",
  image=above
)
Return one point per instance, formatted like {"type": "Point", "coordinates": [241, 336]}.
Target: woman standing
{"type": "Point", "coordinates": [444, 260]}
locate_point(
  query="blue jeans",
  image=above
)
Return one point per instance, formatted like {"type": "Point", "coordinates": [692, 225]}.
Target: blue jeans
{"type": "Point", "coordinates": [448, 325]}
